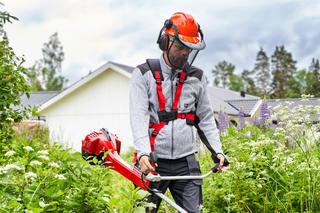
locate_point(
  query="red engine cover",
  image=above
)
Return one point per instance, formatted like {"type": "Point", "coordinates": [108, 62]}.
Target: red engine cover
{"type": "Point", "coordinates": [99, 142]}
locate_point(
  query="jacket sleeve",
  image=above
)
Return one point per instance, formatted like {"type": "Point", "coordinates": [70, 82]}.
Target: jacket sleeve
{"type": "Point", "coordinates": [205, 122]}
{"type": "Point", "coordinates": [139, 114]}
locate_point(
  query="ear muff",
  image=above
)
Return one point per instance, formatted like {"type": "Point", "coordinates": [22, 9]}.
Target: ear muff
{"type": "Point", "coordinates": [163, 42]}
{"type": "Point", "coordinates": [163, 39]}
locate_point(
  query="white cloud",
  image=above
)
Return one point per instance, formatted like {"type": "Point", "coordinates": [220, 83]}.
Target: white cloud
{"type": "Point", "coordinates": [94, 32]}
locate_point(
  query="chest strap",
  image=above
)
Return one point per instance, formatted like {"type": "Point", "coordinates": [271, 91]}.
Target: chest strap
{"type": "Point", "coordinates": [163, 115]}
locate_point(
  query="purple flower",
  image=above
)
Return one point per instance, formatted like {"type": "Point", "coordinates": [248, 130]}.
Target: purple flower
{"type": "Point", "coordinates": [264, 113]}
{"type": "Point", "coordinates": [223, 124]}
{"type": "Point", "coordinates": [241, 119]}
{"type": "Point", "coordinates": [256, 122]}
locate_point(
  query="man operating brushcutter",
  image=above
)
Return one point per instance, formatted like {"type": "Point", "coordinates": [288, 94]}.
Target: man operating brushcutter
{"type": "Point", "coordinates": [168, 98]}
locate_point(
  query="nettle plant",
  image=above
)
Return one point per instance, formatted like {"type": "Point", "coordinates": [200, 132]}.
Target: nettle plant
{"type": "Point", "coordinates": [272, 169]}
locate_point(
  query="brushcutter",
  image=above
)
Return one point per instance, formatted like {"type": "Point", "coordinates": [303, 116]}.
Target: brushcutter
{"type": "Point", "coordinates": [106, 148]}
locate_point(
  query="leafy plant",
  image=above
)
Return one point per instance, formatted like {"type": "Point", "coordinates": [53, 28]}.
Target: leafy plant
{"type": "Point", "coordinates": [12, 83]}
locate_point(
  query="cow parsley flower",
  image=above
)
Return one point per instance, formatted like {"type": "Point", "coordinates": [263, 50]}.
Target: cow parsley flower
{"type": "Point", "coordinates": [54, 165]}
{"type": "Point", "coordinates": [14, 166]}
{"type": "Point", "coordinates": [30, 176]}
{"type": "Point", "coordinates": [35, 163]}
{"type": "Point", "coordinates": [28, 148]}
{"type": "Point", "coordinates": [9, 153]}
{"type": "Point", "coordinates": [60, 177]}
{"type": "Point", "coordinates": [43, 152]}
{"type": "Point", "coordinates": [44, 157]}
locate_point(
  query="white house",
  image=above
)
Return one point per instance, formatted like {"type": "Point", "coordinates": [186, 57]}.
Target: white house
{"type": "Point", "coordinates": [101, 99]}
{"type": "Point", "coordinates": [98, 100]}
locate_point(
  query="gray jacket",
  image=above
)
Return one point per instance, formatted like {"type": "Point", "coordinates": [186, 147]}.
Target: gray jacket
{"type": "Point", "coordinates": [176, 139]}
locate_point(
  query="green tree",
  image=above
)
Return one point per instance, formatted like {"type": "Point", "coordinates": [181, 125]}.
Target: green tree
{"type": "Point", "coordinates": [248, 83]}
{"type": "Point", "coordinates": [262, 74]}
{"type": "Point", "coordinates": [283, 70]}
{"type": "Point", "coordinates": [222, 74]}
{"type": "Point", "coordinates": [304, 81]}
{"type": "Point", "coordinates": [314, 80]}
{"type": "Point", "coordinates": [236, 83]}
{"type": "Point", "coordinates": [46, 73]}
{"type": "Point", "coordinates": [12, 82]}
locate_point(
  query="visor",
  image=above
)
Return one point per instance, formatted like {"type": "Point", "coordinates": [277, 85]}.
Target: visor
{"type": "Point", "coordinates": [192, 42]}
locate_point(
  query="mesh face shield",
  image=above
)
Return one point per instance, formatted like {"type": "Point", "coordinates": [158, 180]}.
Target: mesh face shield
{"type": "Point", "coordinates": [182, 53]}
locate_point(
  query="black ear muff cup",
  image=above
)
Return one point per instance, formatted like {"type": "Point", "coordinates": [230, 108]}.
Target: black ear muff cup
{"type": "Point", "coordinates": [163, 42]}
{"type": "Point", "coordinates": [163, 39]}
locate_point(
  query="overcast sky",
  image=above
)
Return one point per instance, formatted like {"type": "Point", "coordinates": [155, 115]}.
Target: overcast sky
{"type": "Point", "coordinates": [94, 32]}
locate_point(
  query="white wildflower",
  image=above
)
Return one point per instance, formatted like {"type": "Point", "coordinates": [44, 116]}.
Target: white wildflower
{"type": "Point", "coordinates": [43, 152]}
{"type": "Point", "coordinates": [60, 177]}
{"type": "Point", "coordinates": [10, 153]}
{"type": "Point", "coordinates": [54, 165]}
{"type": "Point", "coordinates": [30, 175]}
{"type": "Point", "coordinates": [15, 166]}
{"type": "Point", "coordinates": [28, 148]}
{"type": "Point", "coordinates": [2, 171]}
{"type": "Point", "coordinates": [35, 163]}
{"type": "Point", "coordinates": [10, 119]}
{"type": "Point", "coordinates": [44, 157]}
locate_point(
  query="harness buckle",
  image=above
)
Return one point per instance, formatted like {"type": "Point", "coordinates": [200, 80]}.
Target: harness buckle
{"type": "Point", "coordinates": [167, 116]}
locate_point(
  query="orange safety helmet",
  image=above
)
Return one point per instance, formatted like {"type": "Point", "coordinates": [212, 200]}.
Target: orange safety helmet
{"type": "Point", "coordinates": [183, 27]}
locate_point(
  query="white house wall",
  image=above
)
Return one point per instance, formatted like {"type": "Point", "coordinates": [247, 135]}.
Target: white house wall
{"type": "Point", "coordinates": [102, 102]}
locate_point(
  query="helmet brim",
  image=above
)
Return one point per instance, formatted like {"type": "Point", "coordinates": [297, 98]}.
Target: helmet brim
{"type": "Point", "coordinates": [192, 42]}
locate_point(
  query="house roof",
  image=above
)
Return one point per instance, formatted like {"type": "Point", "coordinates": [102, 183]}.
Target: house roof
{"type": "Point", "coordinates": [247, 106]}
{"type": "Point", "coordinates": [124, 67]}
{"type": "Point", "coordinates": [37, 98]}
{"type": "Point", "coordinates": [220, 98]}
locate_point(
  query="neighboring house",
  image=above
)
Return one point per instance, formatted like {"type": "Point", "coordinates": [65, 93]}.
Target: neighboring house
{"type": "Point", "coordinates": [101, 99]}
{"type": "Point", "coordinates": [251, 108]}
{"type": "Point", "coordinates": [221, 98]}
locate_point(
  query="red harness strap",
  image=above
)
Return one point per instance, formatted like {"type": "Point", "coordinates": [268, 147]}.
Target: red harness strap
{"type": "Point", "coordinates": [183, 76]}
{"type": "Point", "coordinates": [158, 126]}
{"type": "Point", "coordinates": [161, 98]}
{"type": "Point", "coordinates": [162, 103]}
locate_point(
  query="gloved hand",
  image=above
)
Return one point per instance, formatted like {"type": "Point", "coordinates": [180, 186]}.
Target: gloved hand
{"type": "Point", "coordinates": [223, 162]}
{"type": "Point", "coordinates": [145, 165]}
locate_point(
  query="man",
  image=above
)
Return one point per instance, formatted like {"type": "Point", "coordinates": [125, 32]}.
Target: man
{"type": "Point", "coordinates": [168, 97]}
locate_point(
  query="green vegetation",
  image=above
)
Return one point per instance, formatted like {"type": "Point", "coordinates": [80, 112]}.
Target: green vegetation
{"type": "Point", "coordinates": [272, 170]}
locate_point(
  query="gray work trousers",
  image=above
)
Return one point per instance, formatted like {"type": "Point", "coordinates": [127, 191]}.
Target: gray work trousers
{"type": "Point", "coordinates": [186, 193]}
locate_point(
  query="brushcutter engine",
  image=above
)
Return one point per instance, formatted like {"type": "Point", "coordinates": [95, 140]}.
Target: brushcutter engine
{"type": "Point", "coordinates": [105, 147]}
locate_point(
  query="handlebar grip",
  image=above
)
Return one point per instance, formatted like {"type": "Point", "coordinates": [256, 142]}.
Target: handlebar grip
{"type": "Point", "coordinates": [153, 157]}
{"type": "Point", "coordinates": [226, 162]}
{"type": "Point", "coordinates": [215, 168]}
